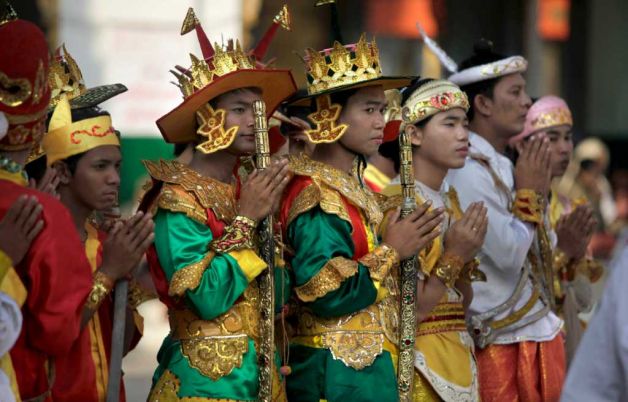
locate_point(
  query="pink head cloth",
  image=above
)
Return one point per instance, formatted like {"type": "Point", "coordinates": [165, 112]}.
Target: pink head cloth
{"type": "Point", "coordinates": [548, 111]}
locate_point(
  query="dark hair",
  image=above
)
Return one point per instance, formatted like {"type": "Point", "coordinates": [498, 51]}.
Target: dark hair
{"type": "Point", "coordinates": [78, 115]}
{"type": "Point", "coordinates": [179, 148]}
{"type": "Point", "coordinates": [36, 169]}
{"type": "Point", "coordinates": [390, 149]}
{"type": "Point", "coordinates": [342, 97]}
{"type": "Point", "coordinates": [483, 53]}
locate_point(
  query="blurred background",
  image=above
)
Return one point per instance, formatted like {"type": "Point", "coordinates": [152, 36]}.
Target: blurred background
{"type": "Point", "coordinates": [575, 49]}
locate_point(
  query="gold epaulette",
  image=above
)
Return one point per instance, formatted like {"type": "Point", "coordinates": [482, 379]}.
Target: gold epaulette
{"type": "Point", "coordinates": [187, 191]}
{"type": "Point", "coordinates": [307, 199]}
{"type": "Point", "coordinates": [330, 185]}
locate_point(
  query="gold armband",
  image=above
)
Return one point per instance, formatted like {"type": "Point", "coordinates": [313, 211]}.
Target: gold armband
{"type": "Point", "coordinates": [590, 268]}
{"type": "Point", "coordinates": [448, 269]}
{"type": "Point", "coordinates": [237, 236]}
{"type": "Point", "coordinates": [380, 261]}
{"type": "Point", "coordinates": [100, 289]}
{"type": "Point", "coordinates": [529, 206]}
{"type": "Point", "coordinates": [561, 265]}
{"type": "Point", "coordinates": [137, 295]}
{"type": "Point", "coordinates": [471, 272]}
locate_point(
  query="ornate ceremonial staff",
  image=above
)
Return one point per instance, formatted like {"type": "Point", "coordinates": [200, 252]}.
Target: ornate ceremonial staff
{"type": "Point", "coordinates": [409, 269]}
{"type": "Point", "coordinates": [267, 252]}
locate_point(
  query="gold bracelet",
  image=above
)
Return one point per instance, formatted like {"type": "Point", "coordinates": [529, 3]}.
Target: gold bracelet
{"type": "Point", "coordinates": [529, 206]}
{"type": "Point", "coordinates": [100, 289]}
{"type": "Point", "coordinates": [380, 261]}
{"type": "Point", "coordinates": [239, 235]}
{"type": "Point", "coordinates": [448, 269]}
{"type": "Point", "coordinates": [561, 261]}
{"type": "Point", "coordinates": [472, 273]}
{"type": "Point", "coordinates": [137, 295]}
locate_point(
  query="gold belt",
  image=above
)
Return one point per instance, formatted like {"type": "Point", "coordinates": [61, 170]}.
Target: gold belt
{"type": "Point", "coordinates": [241, 319]}
{"type": "Point", "coordinates": [215, 347]}
{"type": "Point", "coordinates": [446, 317]}
{"type": "Point", "coordinates": [356, 339]}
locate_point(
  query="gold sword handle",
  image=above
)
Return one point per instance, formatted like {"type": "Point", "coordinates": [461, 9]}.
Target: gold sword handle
{"type": "Point", "coordinates": [408, 278]}
{"type": "Point", "coordinates": [267, 253]}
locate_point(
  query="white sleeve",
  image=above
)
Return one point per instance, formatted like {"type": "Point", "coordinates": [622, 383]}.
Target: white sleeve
{"type": "Point", "coordinates": [508, 239]}
{"type": "Point", "coordinates": [599, 369]}
{"type": "Point", "coordinates": [10, 323]}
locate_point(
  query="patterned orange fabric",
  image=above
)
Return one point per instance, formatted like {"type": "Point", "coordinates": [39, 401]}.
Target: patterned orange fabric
{"type": "Point", "coordinates": [525, 371]}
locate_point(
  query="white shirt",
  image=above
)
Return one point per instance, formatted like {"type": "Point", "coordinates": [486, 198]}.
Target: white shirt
{"type": "Point", "coordinates": [506, 244]}
{"type": "Point", "coordinates": [599, 371]}
{"type": "Point", "coordinates": [10, 326]}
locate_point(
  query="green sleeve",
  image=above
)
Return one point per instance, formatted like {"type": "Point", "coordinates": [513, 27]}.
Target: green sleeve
{"type": "Point", "coordinates": [180, 242]}
{"type": "Point", "coordinates": [316, 238]}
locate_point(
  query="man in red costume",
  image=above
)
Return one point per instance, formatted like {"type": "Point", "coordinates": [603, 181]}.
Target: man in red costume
{"type": "Point", "coordinates": [55, 272]}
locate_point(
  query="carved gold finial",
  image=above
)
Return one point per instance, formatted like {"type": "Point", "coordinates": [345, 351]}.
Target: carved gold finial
{"type": "Point", "coordinates": [190, 22]}
{"type": "Point", "coordinates": [284, 18]}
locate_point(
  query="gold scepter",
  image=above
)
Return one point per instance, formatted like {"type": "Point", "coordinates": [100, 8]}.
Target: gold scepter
{"type": "Point", "coordinates": [409, 269]}
{"type": "Point", "coordinates": [267, 252]}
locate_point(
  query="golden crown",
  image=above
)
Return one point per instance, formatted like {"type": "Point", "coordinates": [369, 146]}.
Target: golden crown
{"type": "Point", "coordinates": [342, 65]}
{"type": "Point", "coordinates": [65, 77]}
{"type": "Point", "coordinates": [225, 60]}
{"type": "Point", "coordinates": [219, 60]}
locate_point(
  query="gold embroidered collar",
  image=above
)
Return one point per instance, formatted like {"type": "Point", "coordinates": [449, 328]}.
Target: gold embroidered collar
{"type": "Point", "coordinates": [346, 184]}
{"type": "Point", "coordinates": [210, 193]}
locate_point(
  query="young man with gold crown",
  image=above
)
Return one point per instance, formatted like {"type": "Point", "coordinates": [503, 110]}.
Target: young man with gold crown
{"type": "Point", "coordinates": [204, 261]}
{"type": "Point", "coordinates": [344, 345]}
{"type": "Point", "coordinates": [521, 352]}
{"type": "Point", "coordinates": [571, 219]}
{"type": "Point", "coordinates": [81, 145]}
{"type": "Point", "coordinates": [55, 273]}
{"type": "Point", "coordinates": [434, 120]}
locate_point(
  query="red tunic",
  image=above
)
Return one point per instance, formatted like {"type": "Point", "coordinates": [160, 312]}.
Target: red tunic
{"type": "Point", "coordinates": [58, 279]}
{"type": "Point", "coordinates": [91, 352]}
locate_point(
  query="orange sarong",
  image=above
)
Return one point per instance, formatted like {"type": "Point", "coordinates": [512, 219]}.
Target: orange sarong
{"type": "Point", "coordinates": [522, 372]}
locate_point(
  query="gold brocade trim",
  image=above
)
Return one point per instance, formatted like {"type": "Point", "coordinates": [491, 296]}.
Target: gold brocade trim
{"type": "Point", "coordinates": [355, 349]}
{"type": "Point", "coordinates": [328, 279]}
{"type": "Point", "coordinates": [175, 198]}
{"type": "Point", "coordinates": [166, 389]}
{"type": "Point", "coordinates": [529, 206]}
{"type": "Point", "coordinates": [445, 317]}
{"type": "Point", "coordinates": [355, 339]}
{"type": "Point", "coordinates": [189, 277]}
{"type": "Point", "coordinates": [210, 193]}
{"type": "Point", "coordinates": [380, 261]}
{"type": "Point", "coordinates": [327, 177]}
{"type": "Point", "coordinates": [240, 234]}
{"type": "Point", "coordinates": [241, 319]}
{"type": "Point", "coordinates": [215, 357]}
{"type": "Point", "coordinates": [519, 314]}
{"type": "Point", "coordinates": [331, 203]}
{"type": "Point", "coordinates": [97, 344]}
{"type": "Point", "coordinates": [307, 199]}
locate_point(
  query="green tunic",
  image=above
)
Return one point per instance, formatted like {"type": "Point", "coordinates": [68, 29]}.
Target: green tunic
{"type": "Point", "coordinates": [179, 243]}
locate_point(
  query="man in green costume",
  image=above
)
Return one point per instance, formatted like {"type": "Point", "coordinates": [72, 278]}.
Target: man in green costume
{"type": "Point", "coordinates": [344, 348]}
{"type": "Point", "coordinates": [204, 260]}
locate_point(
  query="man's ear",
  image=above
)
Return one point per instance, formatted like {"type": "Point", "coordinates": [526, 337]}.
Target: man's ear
{"type": "Point", "coordinates": [483, 105]}
{"type": "Point", "coordinates": [416, 134]}
{"type": "Point", "coordinates": [63, 172]}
